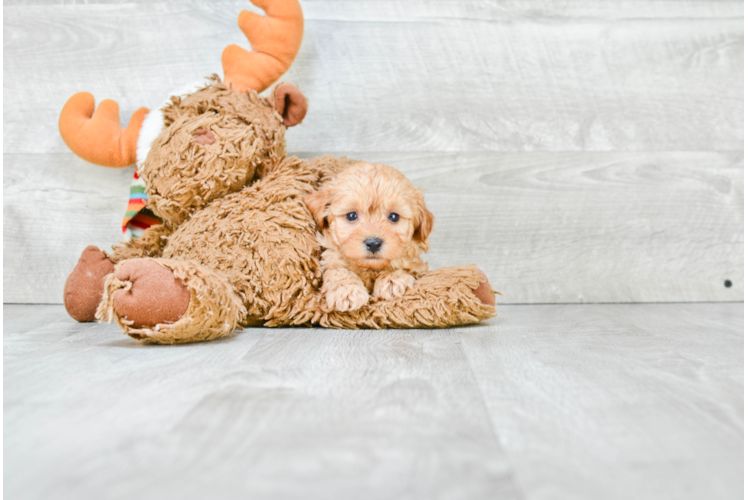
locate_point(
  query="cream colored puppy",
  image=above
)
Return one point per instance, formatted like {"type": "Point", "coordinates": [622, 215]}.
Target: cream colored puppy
{"type": "Point", "coordinates": [374, 225]}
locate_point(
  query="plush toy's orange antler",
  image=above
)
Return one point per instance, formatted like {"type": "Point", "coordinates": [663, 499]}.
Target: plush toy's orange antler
{"type": "Point", "coordinates": [275, 39]}
{"type": "Point", "coordinates": [97, 136]}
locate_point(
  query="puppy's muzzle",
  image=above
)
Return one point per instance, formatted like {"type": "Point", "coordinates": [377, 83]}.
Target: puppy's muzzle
{"type": "Point", "coordinates": [373, 244]}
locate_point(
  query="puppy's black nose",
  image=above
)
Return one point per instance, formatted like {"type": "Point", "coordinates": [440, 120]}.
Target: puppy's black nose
{"type": "Point", "coordinates": [373, 244]}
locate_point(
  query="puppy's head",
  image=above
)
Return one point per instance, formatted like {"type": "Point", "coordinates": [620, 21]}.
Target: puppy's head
{"type": "Point", "coordinates": [372, 215]}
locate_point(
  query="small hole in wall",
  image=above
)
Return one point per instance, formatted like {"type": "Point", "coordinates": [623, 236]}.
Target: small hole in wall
{"type": "Point", "coordinates": [728, 283]}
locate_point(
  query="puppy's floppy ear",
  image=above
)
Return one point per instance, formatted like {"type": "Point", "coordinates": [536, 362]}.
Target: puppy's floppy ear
{"type": "Point", "coordinates": [290, 103]}
{"type": "Point", "coordinates": [317, 203]}
{"type": "Point", "coordinates": [424, 221]}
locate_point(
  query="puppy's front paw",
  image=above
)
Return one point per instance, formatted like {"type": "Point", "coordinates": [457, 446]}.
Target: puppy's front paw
{"type": "Point", "coordinates": [347, 297]}
{"type": "Point", "coordinates": [393, 285]}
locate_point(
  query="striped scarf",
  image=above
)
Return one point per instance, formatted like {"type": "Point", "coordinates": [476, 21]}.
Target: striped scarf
{"type": "Point", "coordinates": [137, 217]}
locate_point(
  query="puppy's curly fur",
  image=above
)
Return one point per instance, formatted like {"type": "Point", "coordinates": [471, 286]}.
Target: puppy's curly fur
{"type": "Point", "coordinates": [374, 225]}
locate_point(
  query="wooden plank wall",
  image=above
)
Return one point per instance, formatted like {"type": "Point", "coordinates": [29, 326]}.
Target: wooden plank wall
{"type": "Point", "coordinates": [577, 151]}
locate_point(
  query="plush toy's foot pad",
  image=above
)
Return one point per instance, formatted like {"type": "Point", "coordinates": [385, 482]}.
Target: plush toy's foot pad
{"type": "Point", "coordinates": [155, 295]}
{"type": "Point", "coordinates": [85, 285]}
{"type": "Point", "coordinates": [484, 292]}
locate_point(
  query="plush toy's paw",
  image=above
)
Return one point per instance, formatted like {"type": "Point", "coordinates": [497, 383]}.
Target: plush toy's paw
{"type": "Point", "coordinates": [393, 285]}
{"type": "Point", "coordinates": [85, 285]}
{"type": "Point", "coordinates": [484, 291]}
{"type": "Point", "coordinates": [155, 296]}
{"type": "Point", "coordinates": [347, 297]}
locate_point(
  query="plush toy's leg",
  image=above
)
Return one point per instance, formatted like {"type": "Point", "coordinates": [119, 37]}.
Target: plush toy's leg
{"type": "Point", "coordinates": [149, 244]}
{"type": "Point", "coordinates": [449, 296]}
{"type": "Point", "coordinates": [169, 301]}
{"type": "Point", "coordinates": [85, 285]}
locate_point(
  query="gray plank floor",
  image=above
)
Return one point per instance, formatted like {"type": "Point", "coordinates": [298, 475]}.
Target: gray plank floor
{"type": "Point", "coordinates": [556, 401]}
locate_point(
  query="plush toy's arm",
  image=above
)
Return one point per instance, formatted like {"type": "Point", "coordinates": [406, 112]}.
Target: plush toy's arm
{"type": "Point", "coordinates": [445, 297]}
{"type": "Point", "coordinates": [150, 244]}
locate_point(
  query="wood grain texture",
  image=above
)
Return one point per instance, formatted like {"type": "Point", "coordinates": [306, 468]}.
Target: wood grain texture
{"type": "Point", "coordinates": [617, 402]}
{"type": "Point", "coordinates": [265, 414]}
{"type": "Point", "coordinates": [391, 9]}
{"type": "Point", "coordinates": [588, 227]}
{"type": "Point", "coordinates": [572, 401]}
{"type": "Point", "coordinates": [487, 89]}
{"type": "Point", "coordinates": [411, 76]}
{"type": "Point", "coordinates": [545, 227]}
{"type": "Point", "coordinates": [54, 206]}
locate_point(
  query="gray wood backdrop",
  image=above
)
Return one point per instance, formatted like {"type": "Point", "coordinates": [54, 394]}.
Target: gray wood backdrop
{"type": "Point", "coordinates": [576, 151]}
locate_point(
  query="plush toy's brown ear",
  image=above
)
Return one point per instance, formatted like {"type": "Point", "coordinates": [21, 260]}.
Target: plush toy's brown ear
{"type": "Point", "coordinates": [424, 224]}
{"type": "Point", "coordinates": [317, 203]}
{"type": "Point", "coordinates": [290, 103]}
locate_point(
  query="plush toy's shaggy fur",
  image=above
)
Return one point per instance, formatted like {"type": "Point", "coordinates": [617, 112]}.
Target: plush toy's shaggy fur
{"type": "Point", "coordinates": [213, 143]}
{"type": "Point", "coordinates": [251, 258]}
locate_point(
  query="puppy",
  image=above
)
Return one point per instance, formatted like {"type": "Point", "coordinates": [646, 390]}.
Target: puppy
{"type": "Point", "coordinates": [374, 225]}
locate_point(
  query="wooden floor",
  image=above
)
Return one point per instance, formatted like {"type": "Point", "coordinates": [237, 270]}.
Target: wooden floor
{"type": "Point", "coordinates": [544, 401]}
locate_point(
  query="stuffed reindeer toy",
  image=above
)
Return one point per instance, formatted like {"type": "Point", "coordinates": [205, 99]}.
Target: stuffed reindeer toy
{"type": "Point", "coordinates": [227, 239]}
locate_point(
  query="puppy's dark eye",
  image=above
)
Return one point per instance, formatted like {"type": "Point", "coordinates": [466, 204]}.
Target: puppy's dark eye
{"type": "Point", "coordinates": [393, 217]}
{"type": "Point", "coordinates": [351, 216]}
